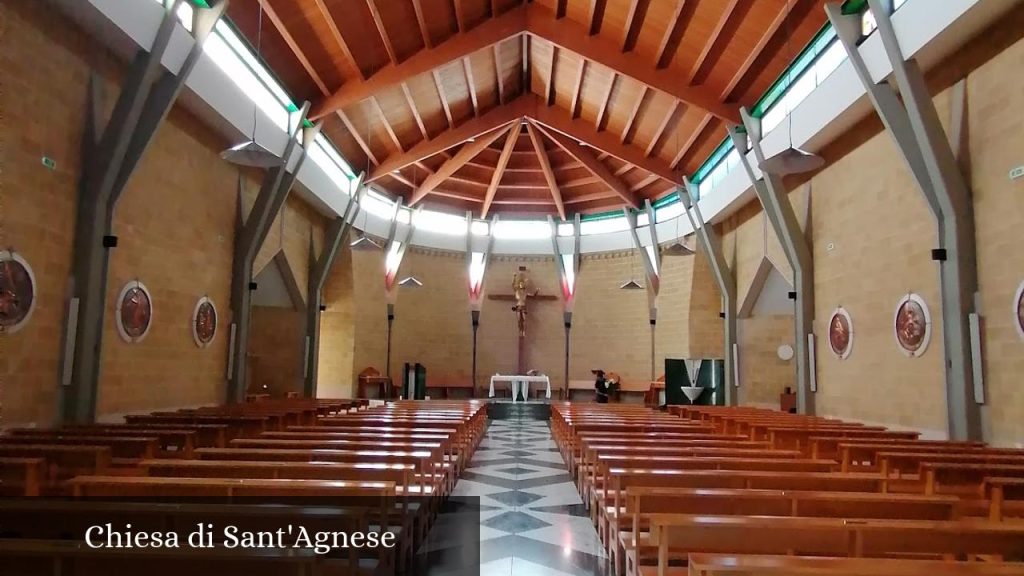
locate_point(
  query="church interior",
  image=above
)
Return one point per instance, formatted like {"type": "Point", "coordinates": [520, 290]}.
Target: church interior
{"type": "Point", "coordinates": [512, 287]}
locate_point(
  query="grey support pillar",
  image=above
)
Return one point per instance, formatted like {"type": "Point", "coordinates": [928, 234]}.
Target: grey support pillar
{"type": "Point", "coordinates": [913, 123]}
{"type": "Point", "coordinates": [249, 236]}
{"type": "Point", "coordinates": [652, 266]}
{"type": "Point", "coordinates": [476, 291]}
{"type": "Point", "coordinates": [712, 245]}
{"type": "Point", "coordinates": [110, 155]}
{"type": "Point", "coordinates": [319, 270]}
{"type": "Point", "coordinates": [779, 211]}
{"type": "Point", "coordinates": [568, 283]}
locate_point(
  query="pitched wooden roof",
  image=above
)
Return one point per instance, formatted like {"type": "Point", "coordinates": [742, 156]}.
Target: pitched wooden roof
{"type": "Point", "coordinates": [543, 107]}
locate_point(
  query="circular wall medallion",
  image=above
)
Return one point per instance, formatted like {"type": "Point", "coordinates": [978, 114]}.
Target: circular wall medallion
{"type": "Point", "coordinates": [17, 292]}
{"type": "Point", "coordinates": [204, 322]}
{"type": "Point", "coordinates": [785, 352]}
{"type": "Point", "coordinates": [840, 333]}
{"type": "Point", "coordinates": [134, 311]}
{"type": "Point", "coordinates": [1018, 310]}
{"type": "Point", "coordinates": [912, 325]}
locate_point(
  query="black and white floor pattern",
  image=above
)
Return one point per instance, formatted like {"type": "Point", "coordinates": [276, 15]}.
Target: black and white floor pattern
{"type": "Point", "coordinates": [532, 521]}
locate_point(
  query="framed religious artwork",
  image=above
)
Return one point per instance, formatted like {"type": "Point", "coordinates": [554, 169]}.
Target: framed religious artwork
{"type": "Point", "coordinates": [840, 333]}
{"type": "Point", "coordinates": [17, 292]}
{"type": "Point", "coordinates": [134, 314]}
{"type": "Point", "coordinates": [912, 325]}
{"type": "Point", "coordinates": [204, 322]}
{"type": "Point", "coordinates": [1018, 310]}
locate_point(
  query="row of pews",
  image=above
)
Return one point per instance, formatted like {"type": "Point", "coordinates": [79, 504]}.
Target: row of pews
{"type": "Point", "coordinates": [331, 465]}
{"type": "Point", "coordinates": [732, 490]}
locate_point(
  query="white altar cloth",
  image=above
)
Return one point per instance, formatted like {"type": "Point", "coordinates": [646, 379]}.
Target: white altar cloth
{"type": "Point", "coordinates": [518, 381]}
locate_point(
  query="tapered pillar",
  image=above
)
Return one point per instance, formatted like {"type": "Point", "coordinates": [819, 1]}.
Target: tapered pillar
{"type": "Point", "coordinates": [110, 155]}
{"type": "Point", "coordinates": [249, 236]}
{"type": "Point", "coordinates": [912, 121]}
{"type": "Point", "coordinates": [712, 246]}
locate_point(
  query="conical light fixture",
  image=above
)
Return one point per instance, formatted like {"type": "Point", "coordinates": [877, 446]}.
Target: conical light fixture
{"type": "Point", "coordinates": [632, 284]}
{"type": "Point", "coordinates": [677, 248]}
{"type": "Point", "coordinates": [410, 282]}
{"type": "Point", "coordinates": [792, 160]}
{"type": "Point", "coordinates": [364, 244]}
{"type": "Point", "coordinates": [251, 153]}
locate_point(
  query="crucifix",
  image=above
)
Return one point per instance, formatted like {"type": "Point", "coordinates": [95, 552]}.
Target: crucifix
{"type": "Point", "coordinates": [523, 290]}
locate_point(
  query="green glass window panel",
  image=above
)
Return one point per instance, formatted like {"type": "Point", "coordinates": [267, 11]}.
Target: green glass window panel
{"type": "Point", "coordinates": [601, 216]}
{"type": "Point", "coordinates": [716, 157]}
{"type": "Point", "coordinates": [671, 198]}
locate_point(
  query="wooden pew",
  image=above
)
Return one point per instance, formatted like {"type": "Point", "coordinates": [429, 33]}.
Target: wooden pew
{"type": "Point", "coordinates": [206, 435]}
{"type": "Point", "coordinates": [171, 442]}
{"type": "Point", "coordinates": [998, 491]}
{"type": "Point", "coordinates": [773, 565]}
{"type": "Point", "coordinates": [62, 461]}
{"type": "Point", "coordinates": [22, 476]}
{"type": "Point", "coordinates": [890, 462]}
{"type": "Point", "coordinates": [121, 447]}
{"type": "Point", "coordinates": [238, 426]}
{"type": "Point", "coordinates": [677, 535]}
{"type": "Point", "coordinates": [970, 477]}
{"type": "Point", "coordinates": [861, 454]}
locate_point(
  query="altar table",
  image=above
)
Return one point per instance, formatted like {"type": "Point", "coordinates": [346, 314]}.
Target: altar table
{"type": "Point", "coordinates": [516, 381]}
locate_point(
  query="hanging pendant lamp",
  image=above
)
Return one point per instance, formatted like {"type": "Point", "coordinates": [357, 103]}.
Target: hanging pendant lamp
{"type": "Point", "coordinates": [632, 284]}
{"type": "Point", "coordinates": [792, 160]}
{"type": "Point", "coordinates": [251, 153]}
{"type": "Point", "coordinates": [410, 282]}
{"type": "Point", "coordinates": [364, 244]}
{"type": "Point", "coordinates": [678, 248]}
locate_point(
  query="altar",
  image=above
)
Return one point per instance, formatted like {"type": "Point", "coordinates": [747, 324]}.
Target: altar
{"type": "Point", "coordinates": [520, 383]}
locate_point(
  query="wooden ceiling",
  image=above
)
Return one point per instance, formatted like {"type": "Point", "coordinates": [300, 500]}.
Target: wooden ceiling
{"type": "Point", "coordinates": [512, 107]}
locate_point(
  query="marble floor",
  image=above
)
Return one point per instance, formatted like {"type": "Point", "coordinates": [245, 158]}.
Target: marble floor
{"type": "Point", "coordinates": [532, 520]}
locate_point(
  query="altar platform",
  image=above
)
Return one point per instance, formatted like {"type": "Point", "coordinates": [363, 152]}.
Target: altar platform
{"type": "Point", "coordinates": [505, 409]}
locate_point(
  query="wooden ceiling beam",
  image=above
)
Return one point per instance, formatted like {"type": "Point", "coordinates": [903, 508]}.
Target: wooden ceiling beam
{"type": "Point", "coordinates": [499, 169]}
{"type": "Point", "coordinates": [460, 18]}
{"type": "Point", "coordinates": [338, 39]}
{"type": "Point", "coordinates": [359, 139]}
{"type": "Point", "coordinates": [772, 29]}
{"type": "Point", "coordinates": [591, 197]}
{"type": "Point", "coordinates": [444, 98]}
{"type": "Point", "coordinates": [596, 16]}
{"type": "Point", "coordinates": [456, 196]}
{"type": "Point", "coordinates": [645, 182]}
{"type": "Point", "coordinates": [382, 31]}
{"type": "Point", "coordinates": [634, 21]}
{"type": "Point", "coordinates": [421, 19]}
{"type": "Point", "coordinates": [690, 141]}
{"type": "Point", "coordinates": [603, 110]}
{"type": "Point", "coordinates": [674, 33]}
{"type": "Point", "coordinates": [467, 69]}
{"type": "Point", "coordinates": [545, 166]}
{"type": "Point", "coordinates": [673, 110]}
{"type": "Point", "coordinates": [627, 129]}
{"type": "Point", "coordinates": [499, 77]}
{"type": "Point", "coordinates": [573, 37]}
{"type": "Point", "coordinates": [561, 8]}
{"type": "Point", "coordinates": [549, 88]}
{"type": "Point", "coordinates": [596, 167]}
{"type": "Point", "coordinates": [730, 7]}
{"type": "Point", "coordinates": [468, 151]}
{"type": "Point", "coordinates": [415, 111]}
{"type": "Point", "coordinates": [553, 119]}
{"type": "Point", "coordinates": [574, 106]}
{"type": "Point", "coordinates": [387, 125]}
{"type": "Point", "coordinates": [487, 122]}
{"type": "Point", "coordinates": [525, 80]}
{"type": "Point", "coordinates": [491, 31]}
{"type": "Point", "coordinates": [293, 45]}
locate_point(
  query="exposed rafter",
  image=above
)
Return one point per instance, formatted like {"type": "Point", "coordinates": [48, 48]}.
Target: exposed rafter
{"type": "Point", "coordinates": [674, 32]}
{"type": "Point", "coordinates": [593, 165]}
{"type": "Point", "coordinates": [467, 69]}
{"type": "Point", "coordinates": [293, 45]}
{"type": "Point", "coordinates": [499, 170]}
{"type": "Point", "coordinates": [600, 120]}
{"type": "Point", "coordinates": [634, 21]}
{"type": "Point", "coordinates": [549, 87]}
{"type": "Point", "coordinates": [561, 8]}
{"type": "Point", "coordinates": [460, 18]}
{"type": "Point", "coordinates": [583, 131]}
{"type": "Point", "coordinates": [672, 114]}
{"type": "Point", "coordinates": [436, 75]}
{"type": "Point", "coordinates": [572, 37]}
{"type": "Point", "coordinates": [574, 106]}
{"type": "Point", "coordinates": [422, 21]}
{"type": "Point", "coordinates": [627, 129]}
{"type": "Point", "coordinates": [384, 37]}
{"type": "Point", "coordinates": [730, 7]}
{"type": "Point", "coordinates": [338, 39]}
{"type": "Point", "coordinates": [499, 77]}
{"type": "Point", "coordinates": [486, 122]}
{"type": "Point", "coordinates": [458, 46]}
{"type": "Point", "coordinates": [596, 16]}
{"type": "Point", "coordinates": [691, 140]}
{"type": "Point", "coordinates": [545, 166]}
{"type": "Point", "coordinates": [387, 125]}
{"type": "Point", "coordinates": [357, 137]}
{"type": "Point", "coordinates": [468, 151]}
{"type": "Point", "coordinates": [772, 29]}
{"type": "Point", "coordinates": [415, 111]}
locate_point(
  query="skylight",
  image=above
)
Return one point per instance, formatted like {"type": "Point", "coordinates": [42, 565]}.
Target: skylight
{"type": "Point", "coordinates": [522, 229]}
{"type": "Point", "coordinates": [441, 223]}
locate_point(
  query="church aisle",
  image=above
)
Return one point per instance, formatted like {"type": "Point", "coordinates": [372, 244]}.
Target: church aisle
{"type": "Point", "coordinates": [532, 520]}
